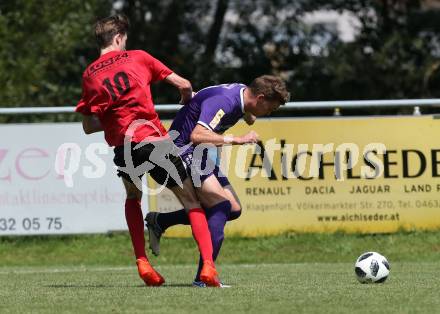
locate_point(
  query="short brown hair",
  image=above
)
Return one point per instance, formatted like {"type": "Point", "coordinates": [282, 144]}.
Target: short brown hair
{"type": "Point", "coordinates": [109, 27]}
{"type": "Point", "coordinates": [272, 87]}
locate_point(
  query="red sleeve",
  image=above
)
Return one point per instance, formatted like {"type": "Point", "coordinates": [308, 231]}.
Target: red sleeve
{"type": "Point", "coordinates": [158, 70]}
{"type": "Point", "coordinates": [92, 100]}
{"type": "Point", "coordinates": [83, 105]}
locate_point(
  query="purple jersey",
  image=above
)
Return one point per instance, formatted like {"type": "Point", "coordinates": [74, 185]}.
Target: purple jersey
{"type": "Point", "coordinates": [216, 108]}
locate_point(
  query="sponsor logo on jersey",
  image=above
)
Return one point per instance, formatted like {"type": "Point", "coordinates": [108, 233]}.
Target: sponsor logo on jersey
{"type": "Point", "coordinates": [106, 63]}
{"type": "Point", "coordinates": [216, 120]}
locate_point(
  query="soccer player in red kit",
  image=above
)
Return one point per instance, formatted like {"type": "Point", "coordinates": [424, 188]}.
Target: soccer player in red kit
{"type": "Point", "coordinates": [116, 99]}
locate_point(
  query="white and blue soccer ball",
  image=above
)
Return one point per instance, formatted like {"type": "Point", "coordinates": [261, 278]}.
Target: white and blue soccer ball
{"type": "Point", "coordinates": [372, 267]}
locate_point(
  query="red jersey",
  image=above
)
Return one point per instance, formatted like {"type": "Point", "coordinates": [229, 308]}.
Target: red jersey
{"type": "Point", "coordinates": [116, 88]}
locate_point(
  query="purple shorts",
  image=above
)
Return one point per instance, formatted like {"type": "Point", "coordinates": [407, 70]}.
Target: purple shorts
{"type": "Point", "coordinates": [199, 176]}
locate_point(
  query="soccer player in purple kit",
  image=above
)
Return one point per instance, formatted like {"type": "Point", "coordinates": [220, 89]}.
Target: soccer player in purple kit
{"type": "Point", "coordinates": [203, 120]}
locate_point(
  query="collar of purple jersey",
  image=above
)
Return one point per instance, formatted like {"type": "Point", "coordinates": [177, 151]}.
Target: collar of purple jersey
{"type": "Point", "coordinates": [242, 99]}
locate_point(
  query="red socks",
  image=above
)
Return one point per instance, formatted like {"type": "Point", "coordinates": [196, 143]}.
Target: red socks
{"type": "Point", "coordinates": [135, 222]}
{"type": "Point", "coordinates": [199, 226]}
{"type": "Point", "coordinates": [200, 231]}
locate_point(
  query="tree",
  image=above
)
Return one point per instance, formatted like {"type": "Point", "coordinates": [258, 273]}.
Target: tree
{"type": "Point", "coordinates": [47, 44]}
{"type": "Point", "coordinates": [44, 49]}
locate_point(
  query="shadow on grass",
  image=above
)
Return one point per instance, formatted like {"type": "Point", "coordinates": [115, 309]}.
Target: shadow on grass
{"type": "Point", "coordinates": [95, 286]}
{"type": "Point", "coordinates": [103, 286]}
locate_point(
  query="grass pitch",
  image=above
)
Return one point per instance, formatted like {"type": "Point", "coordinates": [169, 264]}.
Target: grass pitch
{"type": "Point", "coordinates": [257, 288]}
{"type": "Point", "coordinates": [285, 274]}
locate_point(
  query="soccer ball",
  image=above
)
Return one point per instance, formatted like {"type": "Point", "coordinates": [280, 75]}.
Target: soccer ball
{"type": "Point", "coordinates": [371, 267]}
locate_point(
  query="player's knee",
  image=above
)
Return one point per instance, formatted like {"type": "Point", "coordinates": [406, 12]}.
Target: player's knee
{"type": "Point", "coordinates": [187, 195]}
{"type": "Point", "coordinates": [234, 215]}
{"type": "Point", "coordinates": [133, 194]}
{"type": "Point", "coordinates": [235, 206]}
{"type": "Point", "coordinates": [189, 200]}
{"type": "Point", "coordinates": [235, 210]}
{"type": "Point", "coordinates": [131, 190]}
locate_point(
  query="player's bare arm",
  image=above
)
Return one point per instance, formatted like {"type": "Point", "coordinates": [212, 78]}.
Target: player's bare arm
{"type": "Point", "coordinates": [183, 85]}
{"type": "Point", "coordinates": [201, 134]}
{"type": "Point", "coordinates": [91, 124]}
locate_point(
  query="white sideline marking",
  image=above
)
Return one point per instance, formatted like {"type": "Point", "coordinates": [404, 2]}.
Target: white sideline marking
{"type": "Point", "coordinates": [124, 268]}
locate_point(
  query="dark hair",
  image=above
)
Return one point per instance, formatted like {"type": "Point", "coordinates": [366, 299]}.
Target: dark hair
{"type": "Point", "coordinates": [272, 87]}
{"type": "Point", "coordinates": [107, 28]}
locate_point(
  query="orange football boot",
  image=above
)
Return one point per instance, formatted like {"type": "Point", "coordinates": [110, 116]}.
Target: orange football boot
{"type": "Point", "coordinates": [209, 274]}
{"type": "Point", "coordinates": [148, 274]}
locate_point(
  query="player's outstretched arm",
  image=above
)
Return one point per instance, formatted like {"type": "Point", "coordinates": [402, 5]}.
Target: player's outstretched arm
{"type": "Point", "coordinates": [201, 134]}
{"type": "Point", "coordinates": [183, 85]}
{"type": "Point", "coordinates": [91, 124]}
